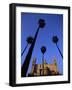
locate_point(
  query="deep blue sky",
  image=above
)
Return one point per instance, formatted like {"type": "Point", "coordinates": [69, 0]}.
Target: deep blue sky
{"type": "Point", "coordinates": [54, 26]}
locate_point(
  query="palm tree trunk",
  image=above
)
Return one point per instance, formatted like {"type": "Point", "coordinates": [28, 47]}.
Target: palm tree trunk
{"type": "Point", "coordinates": [25, 66]}
{"type": "Point", "coordinates": [24, 49]}
{"type": "Point", "coordinates": [43, 63]}
{"type": "Point", "coordinates": [59, 50]}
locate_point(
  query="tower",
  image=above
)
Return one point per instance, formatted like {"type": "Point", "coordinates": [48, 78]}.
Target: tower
{"type": "Point", "coordinates": [33, 65]}
{"type": "Point", "coordinates": [45, 67]}
{"type": "Point", "coordinates": [55, 63]}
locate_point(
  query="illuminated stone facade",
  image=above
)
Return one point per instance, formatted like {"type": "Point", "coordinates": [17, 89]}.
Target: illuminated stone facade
{"type": "Point", "coordinates": [43, 69]}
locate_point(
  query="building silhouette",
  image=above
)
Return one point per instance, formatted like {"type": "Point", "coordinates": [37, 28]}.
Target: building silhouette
{"type": "Point", "coordinates": [44, 69]}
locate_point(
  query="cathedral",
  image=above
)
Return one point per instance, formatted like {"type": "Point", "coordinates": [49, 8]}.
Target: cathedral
{"type": "Point", "coordinates": [44, 69]}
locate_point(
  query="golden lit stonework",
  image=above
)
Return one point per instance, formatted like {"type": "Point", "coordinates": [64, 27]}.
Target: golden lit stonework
{"type": "Point", "coordinates": [44, 69]}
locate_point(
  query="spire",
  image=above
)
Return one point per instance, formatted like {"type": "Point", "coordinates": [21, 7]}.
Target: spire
{"type": "Point", "coordinates": [55, 62]}
{"type": "Point", "coordinates": [45, 62]}
{"type": "Point", "coordinates": [56, 67]}
{"type": "Point", "coordinates": [34, 61]}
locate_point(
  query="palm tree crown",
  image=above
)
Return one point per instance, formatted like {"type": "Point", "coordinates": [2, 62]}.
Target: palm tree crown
{"type": "Point", "coordinates": [55, 39]}
{"type": "Point", "coordinates": [41, 23]}
{"type": "Point", "coordinates": [43, 49]}
{"type": "Point", "coordinates": [29, 40]}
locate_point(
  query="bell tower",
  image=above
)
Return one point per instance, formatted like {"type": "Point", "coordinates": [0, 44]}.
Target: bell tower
{"type": "Point", "coordinates": [55, 63]}
{"type": "Point", "coordinates": [33, 65]}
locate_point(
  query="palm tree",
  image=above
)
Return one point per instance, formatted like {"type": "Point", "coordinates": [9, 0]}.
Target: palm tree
{"type": "Point", "coordinates": [41, 23]}
{"type": "Point", "coordinates": [25, 66]}
{"type": "Point", "coordinates": [55, 40]}
{"type": "Point", "coordinates": [29, 41]}
{"type": "Point", "coordinates": [43, 50]}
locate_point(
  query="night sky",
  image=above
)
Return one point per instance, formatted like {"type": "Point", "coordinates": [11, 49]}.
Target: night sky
{"type": "Point", "coordinates": [54, 26]}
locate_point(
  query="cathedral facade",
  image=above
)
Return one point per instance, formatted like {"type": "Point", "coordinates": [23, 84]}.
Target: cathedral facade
{"type": "Point", "coordinates": [44, 69]}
